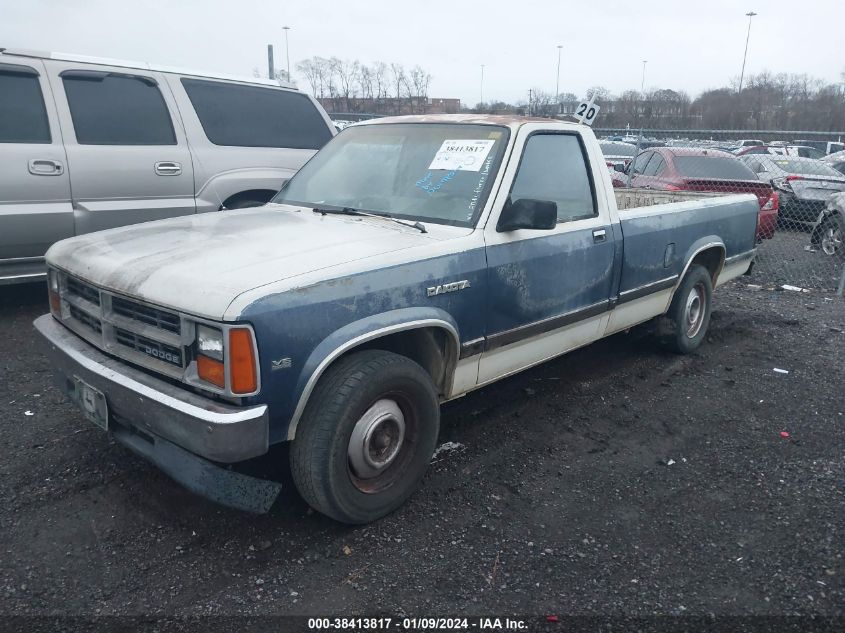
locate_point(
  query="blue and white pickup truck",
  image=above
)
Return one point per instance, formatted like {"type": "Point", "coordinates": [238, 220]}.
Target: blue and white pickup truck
{"type": "Point", "coordinates": [412, 260]}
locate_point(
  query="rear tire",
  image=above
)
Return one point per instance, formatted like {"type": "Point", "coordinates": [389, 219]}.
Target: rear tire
{"type": "Point", "coordinates": [366, 436]}
{"type": "Point", "coordinates": [684, 326]}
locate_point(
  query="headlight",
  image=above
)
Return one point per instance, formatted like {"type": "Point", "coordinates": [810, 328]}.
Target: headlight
{"type": "Point", "coordinates": [210, 342]}
{"type": "Point", "coordinates": [227, 354]}
{"type": "Point", "coordinates": [53, 292]}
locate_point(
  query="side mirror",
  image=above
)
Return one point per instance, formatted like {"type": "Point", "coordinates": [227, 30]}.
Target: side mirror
{"type": "Point", "coordinates": [619, 167]}
{"type": "Point", "coordinates": [527, 213]}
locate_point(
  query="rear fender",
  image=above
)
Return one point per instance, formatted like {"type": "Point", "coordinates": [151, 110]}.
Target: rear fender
{"type": "Point", "coordinates": [699, 247]}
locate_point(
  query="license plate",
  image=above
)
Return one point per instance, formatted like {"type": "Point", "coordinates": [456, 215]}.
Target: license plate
{"type": "Point", "coordinates": [93, 404]}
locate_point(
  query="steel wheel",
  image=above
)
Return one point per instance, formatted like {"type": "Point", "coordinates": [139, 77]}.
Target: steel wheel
{"type": "Point", "coordinates": [377, 443]}
{"type": "Point", "coordinates": [694, 310]}
{"type": "Point", "coordinates": [831, 241]}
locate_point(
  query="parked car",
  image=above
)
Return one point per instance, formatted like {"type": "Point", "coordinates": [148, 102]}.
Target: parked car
{"type": "Point", "coordinates": [693, 169]}
{"type": "Point", "coordinates": [412, 260]}
{"type": "Point", "coordinates": [826, 147]}
{"type": "Point", "coordinates": [804, 184]}
{"type": "Point", "coordinates": [617, 152]}
{"type": "Point", "coordinates": [783, 150]}
{"type": "Point", "coordinates": [745, 142]}
{"type": "Point", "coordinates": [828, 233]}
{"type": "Point", "coordinates": [837, 161]}
{"type": "Point", "coordinates": [89, 144]}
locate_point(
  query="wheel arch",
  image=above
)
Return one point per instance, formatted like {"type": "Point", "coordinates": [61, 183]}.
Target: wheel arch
{"type": "Point", "coordinates": [431, 340]}
{"type": "Point", "coordinates": [250, 194]}
{"type": "Point", "coordinates": [710, 253]}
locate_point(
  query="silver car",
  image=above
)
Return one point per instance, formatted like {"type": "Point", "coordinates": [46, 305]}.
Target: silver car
{"type": "Point", "coordinates": [617, 153]}
{"type": "Point", "coordinates": [90, 144]}
{"type": "Point", "coordinates": [803, 184]}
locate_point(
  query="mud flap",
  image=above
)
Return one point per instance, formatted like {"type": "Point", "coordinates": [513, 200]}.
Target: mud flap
{"type": "Point", "coordinates": [205, 478]}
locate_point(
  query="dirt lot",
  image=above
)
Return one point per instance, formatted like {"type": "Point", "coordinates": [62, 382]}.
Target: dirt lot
{"type": "Point", "coordinates": [618, 479]}
{"type": "Point", "coordinates": [783, 260]}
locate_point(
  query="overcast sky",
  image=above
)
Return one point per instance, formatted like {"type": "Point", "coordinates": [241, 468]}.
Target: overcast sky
{"type": "Point", "coordinates": [689, 45]}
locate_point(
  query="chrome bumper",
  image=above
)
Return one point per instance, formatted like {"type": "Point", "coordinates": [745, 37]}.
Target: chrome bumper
{"type": "Point", "coordinates": [216, 431]}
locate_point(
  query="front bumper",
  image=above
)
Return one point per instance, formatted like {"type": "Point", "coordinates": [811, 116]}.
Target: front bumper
{"type": "Point", "coordinates": [205, 427]}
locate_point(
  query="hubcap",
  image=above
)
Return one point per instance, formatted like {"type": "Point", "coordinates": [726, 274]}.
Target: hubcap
{"type": "Point", "coordinates": [831, 240]}
{"type": "Point", "coordinates": [376, 439]}
{"type": "Point", "coordinates": [694, 312]}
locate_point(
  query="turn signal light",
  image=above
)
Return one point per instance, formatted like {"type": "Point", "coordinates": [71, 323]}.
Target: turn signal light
{"type": "Point", "coordinates": [211, 370]}
{"type": "Point", "coordinates": [243, 373]}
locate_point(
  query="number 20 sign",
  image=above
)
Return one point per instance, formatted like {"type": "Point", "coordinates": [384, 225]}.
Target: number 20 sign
{"type": "Point", "coordinates": [587, 111]}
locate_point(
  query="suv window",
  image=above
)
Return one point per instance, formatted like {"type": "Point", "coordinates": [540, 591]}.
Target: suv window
{"type": "Point", "coordinates": [23, 118]}
{"type": "Point", "coordinates": [554, 167]}
{"type": "Point", "coordinates": [251, 116]}
{"type": "Point", "coordinates": [115, 109]}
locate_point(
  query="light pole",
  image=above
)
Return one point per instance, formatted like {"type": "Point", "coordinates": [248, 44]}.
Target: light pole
{"type": "Point", "coordinates": [287, 49]}
{"type": "Point", "coordinates": [750, 15]}
{"type": "Point", "coordinates": [557, 85]}
{"type": "Point", "coordinates": [481, 106]}
{"type": "Point", "coordinates": [642, 84]}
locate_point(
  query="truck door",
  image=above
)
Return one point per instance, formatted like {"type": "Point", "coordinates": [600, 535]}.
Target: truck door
{"type": "Point", "coordinates": [35, 208]}
{"type": "Point", "coordinates": [549, 290]}
{"type": "Point", "coordinates": [128, 157]}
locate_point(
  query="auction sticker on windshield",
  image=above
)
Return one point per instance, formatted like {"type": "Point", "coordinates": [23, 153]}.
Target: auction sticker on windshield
{"type": "Point", "coordinates": [462, 154]}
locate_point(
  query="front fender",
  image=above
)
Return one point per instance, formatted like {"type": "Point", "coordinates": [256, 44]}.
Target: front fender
{"type": "Point", "coordinates": [354, 334]}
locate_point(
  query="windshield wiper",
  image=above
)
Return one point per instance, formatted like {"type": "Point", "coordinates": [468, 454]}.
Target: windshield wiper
{"type": "Point", "coordinates": [350, 211]}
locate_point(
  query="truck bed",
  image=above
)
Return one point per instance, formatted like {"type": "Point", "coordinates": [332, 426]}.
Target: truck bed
{"type": "Point", "coordinates": [635, 198]}
{"type": "Point", "coordinates": [663, 229]}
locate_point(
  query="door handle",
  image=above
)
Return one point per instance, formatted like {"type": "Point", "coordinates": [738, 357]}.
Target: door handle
{"type": "Point", "coordinates": [168, 168]}
{"type": "Point", "coordinates": [45, 167]}
{"type": "Point", "coordinates": [599, 235]}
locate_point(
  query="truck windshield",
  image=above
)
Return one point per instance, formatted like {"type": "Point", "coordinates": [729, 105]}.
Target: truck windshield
{"type": "Point", "coordinates": [434, 172]}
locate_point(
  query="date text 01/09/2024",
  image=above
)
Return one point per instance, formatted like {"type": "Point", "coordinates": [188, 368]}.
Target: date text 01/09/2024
{"type": "Point", "coordinates": [416, 624]}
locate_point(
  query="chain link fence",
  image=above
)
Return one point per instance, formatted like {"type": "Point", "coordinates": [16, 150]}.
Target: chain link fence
{"type": "Point", "coordinates": [800, 186]}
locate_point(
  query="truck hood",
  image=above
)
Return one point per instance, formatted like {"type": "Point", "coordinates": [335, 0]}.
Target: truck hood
{"type": "Point", "coordinates": [199, 264]}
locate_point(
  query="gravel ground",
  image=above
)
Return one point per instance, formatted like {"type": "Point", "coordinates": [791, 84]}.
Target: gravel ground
{"type": "Point", "coordinates": [783, 260]}
{"type": "Point", "coordinates": [618, 479]}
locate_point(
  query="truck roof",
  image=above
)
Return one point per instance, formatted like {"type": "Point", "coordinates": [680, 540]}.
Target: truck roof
{"type": "Point", "coordinates": [507, 120]}
{"type": "Point", "coordinates": [125, 63]}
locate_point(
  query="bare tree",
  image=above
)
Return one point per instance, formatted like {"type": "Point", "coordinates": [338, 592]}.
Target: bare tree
{"type": "Point", "coordinates": [309, 68]}
{"type": "Point", "coordinates": [397, 72]}
{"type": "Point", "coordinates": [419, 82]}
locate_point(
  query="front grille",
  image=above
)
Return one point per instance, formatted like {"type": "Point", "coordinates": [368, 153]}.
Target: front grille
{"type": "Point", "coordinates": [153, 349]}
{"type": "Point", "coordinates": [143, 334]}
{"type": "Point", "coordinates": [83, 290]}
{"type": "Point", "coordinates": [92, 323]}
{"type": "Point", "coordinates": [145, 314]}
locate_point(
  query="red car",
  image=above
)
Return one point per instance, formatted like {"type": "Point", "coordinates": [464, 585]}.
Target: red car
{"type": "Point", "coordinates": [694, 169]}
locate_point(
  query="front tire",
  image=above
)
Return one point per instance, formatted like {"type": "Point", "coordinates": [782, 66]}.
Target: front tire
{"type": "Point", "coordinates": [366, 436]}
{"type": "Point", "coordinates": [684, 326]}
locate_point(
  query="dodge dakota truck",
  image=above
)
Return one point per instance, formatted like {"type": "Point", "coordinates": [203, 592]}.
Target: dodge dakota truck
{"type": "Point", "coordinates": [409, 262]}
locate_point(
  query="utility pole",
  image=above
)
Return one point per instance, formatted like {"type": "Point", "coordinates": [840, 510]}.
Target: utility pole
{"type": "Point", "coordinates": [557, 85]}
{"type": "Point", "coordinates": [529, 101]}
{"type": "Point", "coordinates": [271, 72]}
{"type": "Point", "coordinates": [750, 15]}
{"type": "Point", "coordinates": [642, 85]}
{"type": "Point", "coordinates": [482, 88]}
{"type": "Point", "coordinates": [287, 49]}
